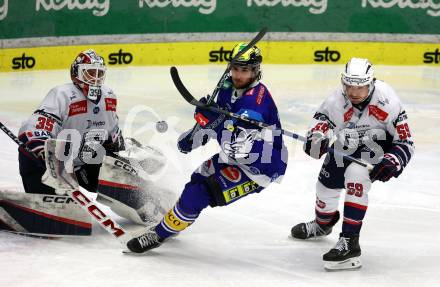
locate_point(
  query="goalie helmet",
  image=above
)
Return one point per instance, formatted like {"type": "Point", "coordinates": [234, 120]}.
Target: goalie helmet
{"type": "Point", "coordinates": [251, 58]}
{"type": "Point", "coordinates": [358, 72]}
{"type": "Point", "coordinates": [88, 73]}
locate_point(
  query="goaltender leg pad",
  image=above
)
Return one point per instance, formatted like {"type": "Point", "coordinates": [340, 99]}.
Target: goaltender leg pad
{"type": "Point", "coordinates": [59, 170]}
{"type": "Point", "coordinates": [42, 215]}
{"type": "Point", "coordinates": [130, 195]}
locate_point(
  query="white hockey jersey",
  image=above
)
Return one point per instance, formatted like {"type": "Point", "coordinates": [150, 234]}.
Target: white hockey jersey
{"type": "Point", "coordinates": [383, 123]}
{"type": "Point", "coordinates": [65, 112]}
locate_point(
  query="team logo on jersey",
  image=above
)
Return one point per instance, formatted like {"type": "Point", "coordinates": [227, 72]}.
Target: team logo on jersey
{"type": "Point", "coordinates": [231, 173]}
{"type": "Point", "coordinates": [110, 104]}
{"type": "Point", "coordinates": [78, 108]}
{"type": "Point", "coordinates": [377, 112]}
{"type": "Point", "coordinates": [96, 110]}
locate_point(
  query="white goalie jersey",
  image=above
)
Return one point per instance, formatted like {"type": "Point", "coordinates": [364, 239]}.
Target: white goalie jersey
{"type": "Point", "coordinates": [382, 123]}
{"type": "Point", "coordinates": [67, 114]}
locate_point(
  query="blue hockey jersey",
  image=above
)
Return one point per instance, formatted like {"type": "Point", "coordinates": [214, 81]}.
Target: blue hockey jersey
{"type": "Point", "coordinates": [266, 156]}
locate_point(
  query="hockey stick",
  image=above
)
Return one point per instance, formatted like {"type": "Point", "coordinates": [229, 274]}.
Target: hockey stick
{"type": "Point", "coordinates": [190, 99]}
{"type": "Point", "coordinates": [87, 204]}
{"type": "Point", "coordinates": [225, 75]}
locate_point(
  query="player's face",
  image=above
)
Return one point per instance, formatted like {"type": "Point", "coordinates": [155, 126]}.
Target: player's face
{"type": "Point", "coordinates": [356, 94]}
{"type": "Point", "coordinates": [241, 76]}
{"type": "Point", "coordinates": [92, 75]}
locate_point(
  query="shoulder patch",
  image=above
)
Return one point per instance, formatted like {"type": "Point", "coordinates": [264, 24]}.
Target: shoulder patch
{"type": "Point", "coordinates": [377, 112]}
{"type": "Point", "coordinates": [250, 92]}
{"type": "Point", "coordinates": [261, 93]}
{"type": "Point", "coordinates": [110, 104]}
{"type": "Point", "coordinates": [77, 108]}
{"type": "Point", "coordinates": [348, 114]}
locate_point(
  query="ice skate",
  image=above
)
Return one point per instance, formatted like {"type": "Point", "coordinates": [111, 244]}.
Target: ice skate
{"type": "Point", "coordinates": [145, 242]}
{"type": "Point", "coordinates": [345, 255]}
{"type": "Point", "coordinates": [312, 229]}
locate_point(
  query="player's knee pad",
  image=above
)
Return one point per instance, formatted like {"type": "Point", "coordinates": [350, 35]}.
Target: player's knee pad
{"type": "Point", "coordinates": [326, 198]}
{"type": "Point", "coordinates": [357, 184]}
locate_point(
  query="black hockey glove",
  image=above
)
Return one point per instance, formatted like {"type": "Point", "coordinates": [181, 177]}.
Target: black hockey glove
{"type": "Point", "coordinates": [316, 144]}
{"type": "Point", "coordinates": [186, 144]}
{"type": "Point", "coordinates": [34, 145]}
{"type": "Point", "coordinates": [115, 144]}
{"type": "Point", "coordinates": [207, 119]}
{"type": "Point", "coordinates": [387, 168]}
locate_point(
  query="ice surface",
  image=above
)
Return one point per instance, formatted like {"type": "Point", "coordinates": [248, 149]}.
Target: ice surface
{"type": "Point", "coordinates": [247, 243]}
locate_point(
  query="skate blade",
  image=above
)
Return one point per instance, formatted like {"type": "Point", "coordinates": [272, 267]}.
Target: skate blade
{"type": "Point", "coordinates": [131, 253]}
{"type": "Point", "coordinates": [349, 264]}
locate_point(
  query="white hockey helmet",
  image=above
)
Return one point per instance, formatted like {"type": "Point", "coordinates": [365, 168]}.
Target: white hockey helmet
{"type": "Point", "coordinates": [358, 72]}
{"type": "Point", "coordinates": [88, 73]}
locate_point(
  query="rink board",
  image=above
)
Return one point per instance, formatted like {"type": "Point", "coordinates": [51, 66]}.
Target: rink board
{"type": "Point", "coordinates": [196, 53]}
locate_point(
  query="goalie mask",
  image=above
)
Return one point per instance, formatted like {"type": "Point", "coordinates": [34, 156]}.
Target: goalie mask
{"type": "Point", "coordinates": [358, 72]}
{"type": "Point", "coordinates": [88, 74]}
{"type": "Point", "coordinates": [251, 59]}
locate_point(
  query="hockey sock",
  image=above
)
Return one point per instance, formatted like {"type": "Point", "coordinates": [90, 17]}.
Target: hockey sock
{"type": "Point", "coordinates": [324, 218]}
{"type": "Point", "coordinates": [193, 200]}
{"type": "Point", "coordinates": [174, 221]}
{"type": "Point", "coordinates": [353, 215]}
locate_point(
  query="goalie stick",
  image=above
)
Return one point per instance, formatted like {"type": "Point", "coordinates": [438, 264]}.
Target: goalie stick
{"type": "Point", "coordinates": [190, 99]}
{"type": "Point", "coordinates": [87, 204]}
{"type": "Point", "coordinates": [225, 75]}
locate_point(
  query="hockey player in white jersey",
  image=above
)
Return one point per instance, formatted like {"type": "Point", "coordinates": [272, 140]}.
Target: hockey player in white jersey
{"type": "Point", "coordinates": [86, 110]}
{"type": "Point", "coordinates": [368, 121]}
{"type": "Point", "coordinates": [82, 114]}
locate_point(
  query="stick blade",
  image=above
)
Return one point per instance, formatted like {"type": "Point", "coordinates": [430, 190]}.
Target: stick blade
{"type": "Point", "coordinates": [182, 89]}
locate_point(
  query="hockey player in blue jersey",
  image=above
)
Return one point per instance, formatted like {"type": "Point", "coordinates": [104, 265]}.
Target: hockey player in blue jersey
{"type": "Point", "coordinates": [249, 160]}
